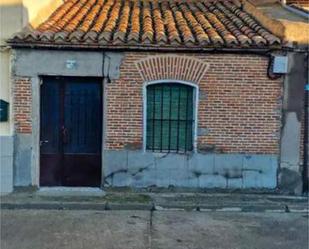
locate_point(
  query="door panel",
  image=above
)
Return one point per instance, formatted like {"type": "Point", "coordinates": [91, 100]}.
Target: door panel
{"type": "Point", "coordinates": [50, 117]}
{"type": "Point", "coordinates": [82, 170]}
{"type": "Point", "coordinates": [50, 146]}
{"type": "Point", "coordinates": [71, 123]}
{"type": "Point", "coordinates": [51, 170]}
{"type": "Point", "coordinates": [82, 118]}
{"type": "Point", "coordinates": [82, 121]}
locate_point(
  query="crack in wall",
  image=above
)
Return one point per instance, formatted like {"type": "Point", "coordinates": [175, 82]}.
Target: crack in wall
{"type": "Point", "coordinates": [154, 170]}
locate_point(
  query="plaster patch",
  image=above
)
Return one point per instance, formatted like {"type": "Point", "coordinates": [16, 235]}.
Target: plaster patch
{"type": "Point", "coordinates": [115, 161]}
{"type": "Point", "coordinates": [22, 160]}
{"type": "Point", "coordinates": [202, 164]}
{"type": "Point", "coordinates": [290, 141]}
{"type": "Point", "coordinates": [229, 165]}
{"type": "Point", "coordinates": [138, 160]}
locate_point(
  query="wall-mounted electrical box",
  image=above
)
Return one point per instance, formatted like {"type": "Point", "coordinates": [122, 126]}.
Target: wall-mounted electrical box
{"type": "Point", "coordinates": [280, 64]}
{"type": "Point", "coordinates": [4, 111]}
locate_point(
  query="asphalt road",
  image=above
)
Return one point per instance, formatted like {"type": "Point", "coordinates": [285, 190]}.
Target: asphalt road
{"type": "Point", "coordinates": [69, 229]}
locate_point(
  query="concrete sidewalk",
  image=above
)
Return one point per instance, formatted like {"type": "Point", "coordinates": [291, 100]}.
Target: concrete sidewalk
{"type": "Point", "coordinates": [91, 229]}
{"type": "Point", "coordinates": [128, 200]}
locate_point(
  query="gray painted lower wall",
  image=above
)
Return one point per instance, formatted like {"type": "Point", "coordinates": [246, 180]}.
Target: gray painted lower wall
{"type": "Point", "coordinates": [290, 173]}
{"type": "Point", "coordinates": [22, 160]}
{"type": "Point", "coordinates": [146, 169]}
{"type": "Point", "coordinates": [6, 164]}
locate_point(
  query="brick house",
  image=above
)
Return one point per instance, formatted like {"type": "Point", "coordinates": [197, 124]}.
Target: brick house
{"type": "Point", "coordinates": [148, 93]}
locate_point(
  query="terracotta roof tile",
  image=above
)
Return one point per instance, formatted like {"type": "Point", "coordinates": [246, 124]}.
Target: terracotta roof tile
{"type": "Point", "coordinates": [171, 23]}
{"type": "Point", "coordinates": [159, 24]}
{"type": "Point", "coordinates": [148, 32]}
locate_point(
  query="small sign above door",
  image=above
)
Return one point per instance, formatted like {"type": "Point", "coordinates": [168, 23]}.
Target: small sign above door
{"type": "Point", "coordinates": [71, 64]}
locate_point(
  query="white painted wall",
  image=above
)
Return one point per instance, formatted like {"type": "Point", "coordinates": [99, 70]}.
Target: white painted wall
{"type": "Point", "coordinates": [14, 15]}
{"type": "Point", "coordinates": [10, 21]}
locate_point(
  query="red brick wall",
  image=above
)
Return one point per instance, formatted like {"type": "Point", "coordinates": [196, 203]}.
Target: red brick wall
{"type": "Point", "coordinates": [22, 105]}
{"type": "Point", "coordinates": [241, 110]}
{"type": "Point", "coordinates": [240, 105]}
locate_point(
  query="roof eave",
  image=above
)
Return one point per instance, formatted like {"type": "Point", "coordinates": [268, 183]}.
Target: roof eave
{"type": "Point", "coordinates": [123, 48]}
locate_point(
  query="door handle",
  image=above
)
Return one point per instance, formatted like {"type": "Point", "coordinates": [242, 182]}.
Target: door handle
{"type": "Point", "coordinates": [64, 135]}
{"type": "Point", "coordinates": [43, 142]}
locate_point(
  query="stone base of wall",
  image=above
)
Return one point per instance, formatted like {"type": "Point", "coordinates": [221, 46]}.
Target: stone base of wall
{"type": "Point", "coordinates": [145, 169]}
{"type": "Point", "coordinates": [22, 160]}
{"type": "Point", "coordinates": [6, 164]}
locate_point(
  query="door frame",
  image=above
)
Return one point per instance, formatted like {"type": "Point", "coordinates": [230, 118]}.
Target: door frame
{"type": "Point", "coordinates": [36, 124]}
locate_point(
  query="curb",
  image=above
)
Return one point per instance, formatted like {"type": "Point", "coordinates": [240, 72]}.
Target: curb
{"type": "Point", "coordinates": [76, 206]}
{"type": "Point", "coordinates": [153, 207]}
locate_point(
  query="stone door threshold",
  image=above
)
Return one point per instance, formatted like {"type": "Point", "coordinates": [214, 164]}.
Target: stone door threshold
{"type": "Point", "coordinates": [70, 191]}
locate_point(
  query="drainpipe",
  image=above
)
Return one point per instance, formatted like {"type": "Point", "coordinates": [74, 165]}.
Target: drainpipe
{"type": "Point", "coordinates": [306, 131]}
{"type": "Point", "coordinates": [104, 56]}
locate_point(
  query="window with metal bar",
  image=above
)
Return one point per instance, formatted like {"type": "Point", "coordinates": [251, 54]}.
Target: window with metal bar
{"type": "Point", "coordinates": [170, 118]}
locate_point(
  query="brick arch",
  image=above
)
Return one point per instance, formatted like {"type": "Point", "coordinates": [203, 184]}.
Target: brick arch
{"type": "Point", "coordinates": [172, 67]}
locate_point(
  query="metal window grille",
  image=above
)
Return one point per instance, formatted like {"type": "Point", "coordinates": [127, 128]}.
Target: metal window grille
{"type": "Point", "coordinates": [169, 118]}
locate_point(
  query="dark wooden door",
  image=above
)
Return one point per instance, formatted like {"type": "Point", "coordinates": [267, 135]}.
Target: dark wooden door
{"type": "Point", "coordinates": [71, 132]}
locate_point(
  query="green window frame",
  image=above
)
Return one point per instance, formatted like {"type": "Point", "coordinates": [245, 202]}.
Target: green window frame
{"type": "Point", "coordinates": [170, 117]}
